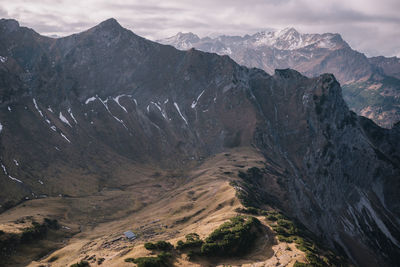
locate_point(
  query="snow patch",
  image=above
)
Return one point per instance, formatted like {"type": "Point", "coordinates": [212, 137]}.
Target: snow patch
{"type": "Point", "coordinates": [104, 102]}
{"type": "Point", "coordinates": [40, 182]}
{"type": "Point", "coordinates": [90, 99]}
{"type": "Point", "coordinates": [163, 113]}
{"type": "Point", "coordinates": [65, 137]}
{"type": "Point", "coordinates": [36, 106]}
{"type": "Point", "coordinates": [179, 111]}
{"type": "Point", "coordinates": [9, 176]}
{"type": "Point", "coordinates": [53, 128]}
{"type": "Point", "coordinates": [16, 162]}
{"type": "Point", "coordinates": [116, 99]}
{"type": "Point", "coordinates": [9, 109]}
{"type": "Point", "coordinates": [3, 59]}
{"type": "Point", "coordinates": [49, 109]}
{"type": "Point", "coordinates": [226, 51]}
{"type": "Point", "coordinates": [72, 115]}
{"type": "Point", "coordinates": [14, 179]}
{"type": "Point", "coordinates": [194, 103]}
{"type": "Point", "coordinates": [48, 121]}
{"type": "Point", "coordinates": [64, 119]}
{"type": "Point", "coordinates": [1, 127]}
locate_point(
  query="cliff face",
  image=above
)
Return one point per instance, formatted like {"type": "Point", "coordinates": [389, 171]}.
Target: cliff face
{"type": "Point", "coordinates": [75, 109]}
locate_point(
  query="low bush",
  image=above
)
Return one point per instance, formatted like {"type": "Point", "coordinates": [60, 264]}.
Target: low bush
{"type": "Point", "coordinates": [162, 260]}
{"type": "Point", "coordinates": [192, 241]}
{"type": "Point", "coordinates": [159, 245]}
{"type": "Point", "coordinates": [232, 238]}
{"type": "Point", "coordinates": [301, 264]}
{"type": "Point", "coordinates": [81, 264]}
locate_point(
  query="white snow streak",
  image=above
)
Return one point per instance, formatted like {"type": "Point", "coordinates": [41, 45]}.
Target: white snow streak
{"type": "Point", "coordinates": [63, 119]}
{"type": "Point", "coordinates": [9, 176]}
{"type": "Point", "coordinates": [160, 109]}
{"type": "Point", "coordinates": [36, 106]}
{"type": "Point", "coordinates": [3, 59]}
{"type": "Point", "coordinates": [179, 111]}
{"type": "Point", "coordinates": [9, 109]}
{"type": "Point", "coordinates": [72, 115]}
{"type": "Point", "coordinates": [194, 103]}
{"type": "Point", "coordinates": [16, 162]}
{"type": "Point", "coordinates": [1, 127]}
{"type": "Point", "coordinates": [108, 110]}
{"type": "Point", "coordinates": [65, 137]}
{"type": "Point", "coordinates": [14, 179]}
{"type": "Point", "coordinates": [116, 99]}
{"type": "Point", "coordinates": [53, 128]}
{"type": "Point", "coordinates": [90, 99]}
{"type": "Point", "coordinates": [49, 109]}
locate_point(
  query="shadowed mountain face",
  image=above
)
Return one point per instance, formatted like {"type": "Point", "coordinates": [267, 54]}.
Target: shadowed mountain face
{"type": "Point", "coordinates": [74, 110]}
{"type": "Point", "coordinates": [371, 86]}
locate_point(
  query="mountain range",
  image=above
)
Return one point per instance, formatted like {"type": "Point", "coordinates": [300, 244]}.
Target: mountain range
{"type": "Point", "coordinates": [107, 131]}
{"type": "Point", "coordinates": [371, 86]}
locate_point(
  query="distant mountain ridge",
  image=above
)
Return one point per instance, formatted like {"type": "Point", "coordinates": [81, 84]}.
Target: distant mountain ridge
{"type": "Point", "coordinates": [371, 86]}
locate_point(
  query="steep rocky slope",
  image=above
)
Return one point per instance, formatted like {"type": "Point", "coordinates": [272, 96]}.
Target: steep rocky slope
{"type": "Point", "coordinates": [80, 114]}
{"type": "Point", "coordinates": [370, 85]}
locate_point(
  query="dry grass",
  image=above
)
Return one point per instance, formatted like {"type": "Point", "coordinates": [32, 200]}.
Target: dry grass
{"type": "Point", "coordinates": [157, 205]}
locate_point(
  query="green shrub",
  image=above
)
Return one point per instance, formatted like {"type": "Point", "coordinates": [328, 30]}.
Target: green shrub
{"type": "Point", "coordinates": [159, 245]}
{"type": "Point", "coordinates": [148, 262]}
{"type": "Point", "coordinates": [234, 237]}
{"type": "Point", "coordinates": [271, 217]}
{"type": "Point", "coordinates": [300, 264]}
{"type": "Point", "coordinates": [52, 259]}
{"type": "Point", "coordinates": [36, 231]}
{"type": "Point", "coordinates": [81, 264]}
{"type": "Point", "coordinates": [52, 224]}
{"type": "Point", "coordinates": [192, 241]}
{"type": "Point", "coordinates": [150, 246]}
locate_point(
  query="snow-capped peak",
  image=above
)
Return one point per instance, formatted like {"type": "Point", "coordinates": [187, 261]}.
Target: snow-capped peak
{"type": "Point", "coordinates": [181, 40]}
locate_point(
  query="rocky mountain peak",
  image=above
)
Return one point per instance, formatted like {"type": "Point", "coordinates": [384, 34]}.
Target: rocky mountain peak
{"type": "Point", "coordinates": [183, 40]}
{"type": "Point", "coordinates": [8, 25]}
{"type": "Point", "coordinates": [109, 24]}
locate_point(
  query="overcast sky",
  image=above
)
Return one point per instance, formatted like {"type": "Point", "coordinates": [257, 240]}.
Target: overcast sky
{"type": "Point", "coordinates": [370, 26]}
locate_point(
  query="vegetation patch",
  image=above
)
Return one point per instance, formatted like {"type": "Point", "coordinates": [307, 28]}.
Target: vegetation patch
{"type": "Point", "coordinates": [162, 260]}
{"type": "Point", "coordinates": [81, 264]}
{"type": "Point", "coordinates": [290, 232]}
{"type": "Point", "coordinates": [192, 241]}
{"type": "Point", "coordinates": [159, 245]}
{"type": "Point", "coordinates": [234, 237]}
{"type": "Point", "coordinates": [286, 230]}
{"type": "Point", "coordinates": [11, 242]}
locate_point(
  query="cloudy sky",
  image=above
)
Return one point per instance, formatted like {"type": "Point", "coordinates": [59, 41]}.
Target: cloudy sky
{"type": "Point", "coordinates": [370, 26]}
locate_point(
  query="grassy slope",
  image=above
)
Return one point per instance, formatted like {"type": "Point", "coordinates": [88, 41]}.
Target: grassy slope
{"type": "Point", "coordinates": [162, 205]}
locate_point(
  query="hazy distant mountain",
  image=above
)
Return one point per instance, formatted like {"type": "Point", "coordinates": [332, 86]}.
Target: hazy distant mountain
{"type": "Point", "coordinates": [371, 86]}
{"type": "Point", "coordinates": [108, 113]}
